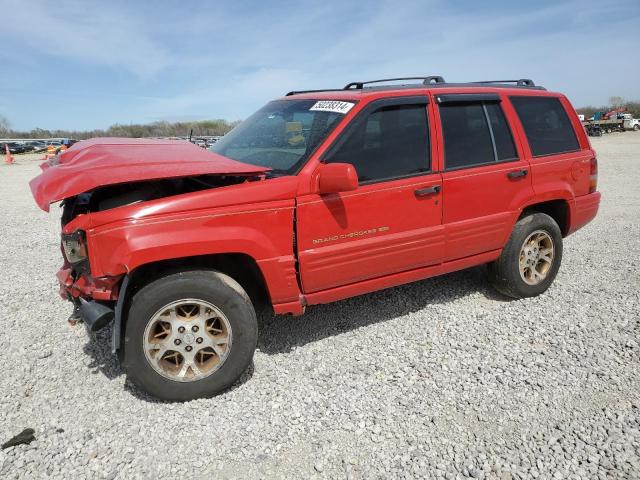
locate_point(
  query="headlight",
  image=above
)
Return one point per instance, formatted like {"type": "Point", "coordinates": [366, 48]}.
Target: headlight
{"type": "Point", "coordinates": [75, 249]}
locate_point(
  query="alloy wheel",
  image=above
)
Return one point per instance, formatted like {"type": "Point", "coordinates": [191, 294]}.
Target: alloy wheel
{"type": "Point", "coordinates": [187, 340]}
{"type": "Point", "coordinates": [536, 257]}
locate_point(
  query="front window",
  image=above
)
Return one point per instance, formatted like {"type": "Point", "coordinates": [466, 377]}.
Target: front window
{"type": "Point", "coordinates": [282, 134]}
{"type": "Point", "coordinates": [390, 142]}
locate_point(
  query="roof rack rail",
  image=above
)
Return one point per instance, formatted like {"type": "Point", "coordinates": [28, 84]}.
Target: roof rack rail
{"type": "Point", "coordinates": [298, 92]}
{"type": "Point", "coordinates": [431, 81]}
{"type": "Point", "coordinates": [425, 81]}
{"type": "Point", "coordinates": [522, 82]}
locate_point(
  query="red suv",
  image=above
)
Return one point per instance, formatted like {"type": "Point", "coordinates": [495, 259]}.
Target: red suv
{"type": "Point", "coordinates": [318, 196]}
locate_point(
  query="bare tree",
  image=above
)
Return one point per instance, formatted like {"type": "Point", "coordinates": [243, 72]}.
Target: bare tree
{"type": "Point", "coordinates": [4, 125]}
{"type": "Point", "coordinates": [616, 102]}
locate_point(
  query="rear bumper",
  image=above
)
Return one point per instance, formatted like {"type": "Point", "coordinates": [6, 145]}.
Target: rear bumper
{"type": "Point", "coordinates": [86, 286]}
{"type": "Point", "coordinates": [585, 209]}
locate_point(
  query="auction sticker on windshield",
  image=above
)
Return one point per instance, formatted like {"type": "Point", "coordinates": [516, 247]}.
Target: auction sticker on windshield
{"type": "Point", "coordinates": [332, 106]}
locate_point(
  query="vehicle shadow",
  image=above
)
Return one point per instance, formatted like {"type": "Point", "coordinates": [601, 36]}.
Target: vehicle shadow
{"type": "Point", "coordinates": [142, 395]}
{"type": "Point", "coordinates": [281, 334]}
{"type": "Point", "coordinates": [98, 347]}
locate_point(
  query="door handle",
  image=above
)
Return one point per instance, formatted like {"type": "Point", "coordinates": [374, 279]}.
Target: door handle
{"type": "Point", "coordinates": [423, 192]}
{"type": "Point", "coordinates": [518, 173]}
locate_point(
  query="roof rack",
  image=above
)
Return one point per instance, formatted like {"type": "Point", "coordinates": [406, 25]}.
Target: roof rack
{"type": "Point", "coordinates": [425, 81]}
{"type": "Point", "coordinates": [522, 82]}
{"type": "Point", "coordinates": [298, 92]}
{"type": "Point", "coordinates": [432, 81]}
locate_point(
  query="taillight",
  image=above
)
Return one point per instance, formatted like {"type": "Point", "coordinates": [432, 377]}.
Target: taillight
{"type": "Point", "coordinates": [593, 179]}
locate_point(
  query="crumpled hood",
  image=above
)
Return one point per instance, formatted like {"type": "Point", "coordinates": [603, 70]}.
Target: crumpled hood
{"type": "Point", "coordinates": [106, 161]}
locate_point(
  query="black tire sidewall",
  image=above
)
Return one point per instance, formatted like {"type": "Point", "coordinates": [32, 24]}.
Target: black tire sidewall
{"type": "Point", "coordinates": [507, 269]}
{"type": "Point", "coordinates": [210, 286]}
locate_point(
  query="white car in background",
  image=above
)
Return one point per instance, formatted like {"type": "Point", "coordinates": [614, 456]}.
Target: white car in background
{"type": "Point", "coordinates": [631, 123]}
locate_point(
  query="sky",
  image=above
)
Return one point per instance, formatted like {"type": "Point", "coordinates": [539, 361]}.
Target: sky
{"type": "Point", "coordinates": [88, 64]}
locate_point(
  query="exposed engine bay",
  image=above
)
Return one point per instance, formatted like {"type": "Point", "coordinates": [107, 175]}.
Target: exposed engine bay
{"type": "Point", "coordinates": [118, 195]}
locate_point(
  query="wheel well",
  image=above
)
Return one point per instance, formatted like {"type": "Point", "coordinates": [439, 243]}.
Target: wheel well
{"type": "Point", "coordinates": [242, 268]}
{"type": "Point", "coordinates": [556, 209]}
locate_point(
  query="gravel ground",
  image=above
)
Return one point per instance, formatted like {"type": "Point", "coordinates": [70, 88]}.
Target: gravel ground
{"type": "Point", "coordinates": [439, 379]}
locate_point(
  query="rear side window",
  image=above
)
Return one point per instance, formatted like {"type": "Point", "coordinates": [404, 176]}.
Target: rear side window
{"type": "Point", "coordinates": [390, 142]}
{"type": "Point", "coordinates": [475, 133]}
{"type": "Point", "coordinates": [546, 124]}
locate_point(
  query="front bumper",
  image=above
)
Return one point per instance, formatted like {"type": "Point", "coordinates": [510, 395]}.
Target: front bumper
{"type": "Point", "coordinates": [103, 289]}
{"type": "Point", "coordinates": [92, 297]}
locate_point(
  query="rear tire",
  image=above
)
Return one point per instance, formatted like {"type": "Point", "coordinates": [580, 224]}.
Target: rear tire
{"type": "Point", "coordinates": [530, 260]}
{"type": "Point", "coordinates": [189, 335]}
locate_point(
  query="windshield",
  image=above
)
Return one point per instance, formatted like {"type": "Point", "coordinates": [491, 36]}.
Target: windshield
{"type": "Point", "coordinates": [282, 134]}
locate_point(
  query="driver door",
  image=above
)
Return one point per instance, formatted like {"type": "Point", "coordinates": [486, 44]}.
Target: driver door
{"type": "Point", "coordinates": [393, 221]}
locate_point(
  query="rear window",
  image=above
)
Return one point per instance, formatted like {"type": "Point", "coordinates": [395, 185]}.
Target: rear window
{"type": "Point", "coordinates": [475, 133]}
{"type": "Point", "coordinates": [546, 124]}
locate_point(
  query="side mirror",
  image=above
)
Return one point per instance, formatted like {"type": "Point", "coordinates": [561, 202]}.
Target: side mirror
{"type": "Point", "coordinates": [337, 177]}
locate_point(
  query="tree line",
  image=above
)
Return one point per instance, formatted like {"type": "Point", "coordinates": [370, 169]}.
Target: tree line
{"type": "Point", "coordinates": [155, 129]}
{"type": "Point", "coordinates": [218, 127]}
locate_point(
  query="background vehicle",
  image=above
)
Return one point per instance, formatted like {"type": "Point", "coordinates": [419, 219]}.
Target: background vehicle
{"type": "Point", "coordinates": [14, 147]}
{"type": "Point", "coordinates": [36, 145]}
{"type": "Point", "coordinates": [318, 196]}
{"type": "Point", "coordinates": [607, 122]}
{"type": "Point", "coordinates": [631, 123]}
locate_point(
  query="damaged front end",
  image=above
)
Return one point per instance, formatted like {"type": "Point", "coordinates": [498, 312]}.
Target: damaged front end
{"type": "Point", "coordinates": [93, 298]}
{"type": "Point", "coordinates": [103, 174]}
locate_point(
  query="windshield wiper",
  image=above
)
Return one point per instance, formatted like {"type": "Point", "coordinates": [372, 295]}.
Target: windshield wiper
{"type": "Point", "coordinates": [273, 173]}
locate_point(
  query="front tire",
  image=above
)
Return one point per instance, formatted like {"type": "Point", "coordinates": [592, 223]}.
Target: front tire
{"type": "Point", "coordinates": [189, 335]}
{"type": "Point", "coordinates": [530, 260]}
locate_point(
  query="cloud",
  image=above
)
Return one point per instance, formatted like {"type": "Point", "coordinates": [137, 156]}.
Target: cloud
{"type": "Point", "coordinates": [142, 61]}
{"type": "Point", "coordinates": [231, 97]}
{"type": "Point", "coordinates": [94, 33]}
{"type": "Point", "coordinates": [327, 45]}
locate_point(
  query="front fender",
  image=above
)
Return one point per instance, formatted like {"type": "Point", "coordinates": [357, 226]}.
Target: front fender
{"type": "Point", "coordinates": [264, 233]}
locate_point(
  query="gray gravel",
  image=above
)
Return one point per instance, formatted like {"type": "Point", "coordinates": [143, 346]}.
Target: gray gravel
{"type": "Point", "coordinates": [438, 379]}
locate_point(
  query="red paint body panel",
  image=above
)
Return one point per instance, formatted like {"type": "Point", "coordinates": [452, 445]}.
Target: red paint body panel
{"type": "Point", "coordinates": [105, 161]}
{"type": "Point", "coordinates": [585, 210]}
{"type": "Point", "coordinates": [480, 207]}
{"type": "Point", "coordinates": [376, 236]}
{"type": "Point", "coordinates": [253, 218]}
{"type": "Point", "coordinates": [343, 238]}
{"type": "Point", "coordinates": [380, 283]}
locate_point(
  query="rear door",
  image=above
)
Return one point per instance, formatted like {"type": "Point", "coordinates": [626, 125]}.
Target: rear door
{"type": "Point", "coordinates": [392, 222]}
{"type": "Point", "coordinates": [485, 175]}
{"type": "Point", "coordinates": [557, 146]}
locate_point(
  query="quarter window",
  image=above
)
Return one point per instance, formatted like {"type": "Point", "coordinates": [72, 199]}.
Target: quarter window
{"type": "Point", "coordinates": [390, 142]}
{"type": "Point", "coordinates": [546, 124]}
{"type": "Point", "coordinates": [475, 133]}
